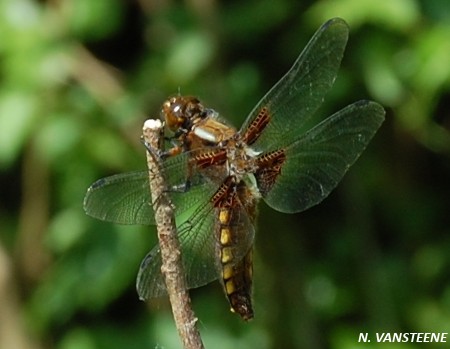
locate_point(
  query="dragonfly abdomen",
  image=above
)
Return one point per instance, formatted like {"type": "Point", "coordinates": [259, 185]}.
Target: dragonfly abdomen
{"type": "Point", "coordinates": [236, 275]}
{"type": "Point", "coordinates": [234, 235]}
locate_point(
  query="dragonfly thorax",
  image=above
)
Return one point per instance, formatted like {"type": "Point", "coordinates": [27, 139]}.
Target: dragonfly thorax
{"type": "Point", "coordinates": [241, 159]}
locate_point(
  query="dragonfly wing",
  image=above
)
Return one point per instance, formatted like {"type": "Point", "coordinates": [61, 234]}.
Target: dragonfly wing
{"type": "Point", "coordinates": [298, 94]}
{"type": "Point", "coordinates": [122, 199]}
{"type": "Point", "coordinates": [197, 242]}
{"type": "Point", "coordinates": [317, 161]}
{"type": "Point", "coordinates": [125, 198]}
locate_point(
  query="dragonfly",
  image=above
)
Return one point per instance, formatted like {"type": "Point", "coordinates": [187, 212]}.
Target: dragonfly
{"type": "Point", "coordinates": [216, 174]}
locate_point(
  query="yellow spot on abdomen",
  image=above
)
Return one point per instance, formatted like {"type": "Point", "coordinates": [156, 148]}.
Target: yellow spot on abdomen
{"type": "Point", "coordinates": [225, 236]}
{"type": "Point", "coordinates": [227, 271]}
{"type": "Point", "coordinates": [229, 286]}
{"type": "Point", "coordinates": [224, 216]}
{"type": "Point", "coordinates": [227, 255]}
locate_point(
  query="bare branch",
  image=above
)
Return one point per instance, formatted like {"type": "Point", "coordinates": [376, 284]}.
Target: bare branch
{"type": "Point", "coordinates": [172, 267]}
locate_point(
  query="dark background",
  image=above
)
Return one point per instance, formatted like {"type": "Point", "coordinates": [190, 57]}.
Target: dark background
{"type": "Point", "coordinates": [79, 77]}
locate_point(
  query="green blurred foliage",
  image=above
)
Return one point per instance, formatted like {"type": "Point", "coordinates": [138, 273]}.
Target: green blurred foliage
{"type": "Point", "coordinates": [77, 80]}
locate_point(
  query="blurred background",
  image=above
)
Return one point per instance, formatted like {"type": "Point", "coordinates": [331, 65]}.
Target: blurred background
{"type": "Point", "coordinates": [79, 77]}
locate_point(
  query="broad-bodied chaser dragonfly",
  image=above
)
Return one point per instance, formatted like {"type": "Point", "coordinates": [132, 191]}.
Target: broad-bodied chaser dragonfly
{"type": "Point", "coordinates": [216, 175]}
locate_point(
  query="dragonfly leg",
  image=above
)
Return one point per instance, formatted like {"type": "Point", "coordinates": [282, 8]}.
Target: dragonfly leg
{"type": "Point", "coordinates": [181, 188]}
{"type": "Point", "coordinates": [159, 154]}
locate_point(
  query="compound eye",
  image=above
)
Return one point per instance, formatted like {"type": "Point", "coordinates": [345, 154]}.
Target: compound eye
{"type": "Point", "coordinates": [173, 114]}
{"type": "Point", "coordinates": [177, 110]}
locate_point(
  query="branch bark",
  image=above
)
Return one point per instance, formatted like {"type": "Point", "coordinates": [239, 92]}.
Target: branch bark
{"type": "Point", "coordinates": [172, 268]}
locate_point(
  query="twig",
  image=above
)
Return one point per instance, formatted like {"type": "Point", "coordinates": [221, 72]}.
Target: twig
{"type": "Point", "coordinates": [13, 332]}
{"type": "Point", "coordinates": [172, 270]}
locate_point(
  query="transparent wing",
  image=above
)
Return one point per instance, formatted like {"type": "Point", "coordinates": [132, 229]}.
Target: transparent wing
{"type": "Point", "coordinates": [318, 160]}
{"type": "Point", "coordinates": [197, 242]}
{"type": "Point", "coordinates": [199, 250]}
{"type": "Point", "coordinates": [295, 98]}
{"type": "Point", "coordinates": [125, 198]}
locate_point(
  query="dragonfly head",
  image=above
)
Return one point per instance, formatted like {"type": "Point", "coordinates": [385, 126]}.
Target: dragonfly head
{"type": "Point", "coordinates": [181, 113]}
